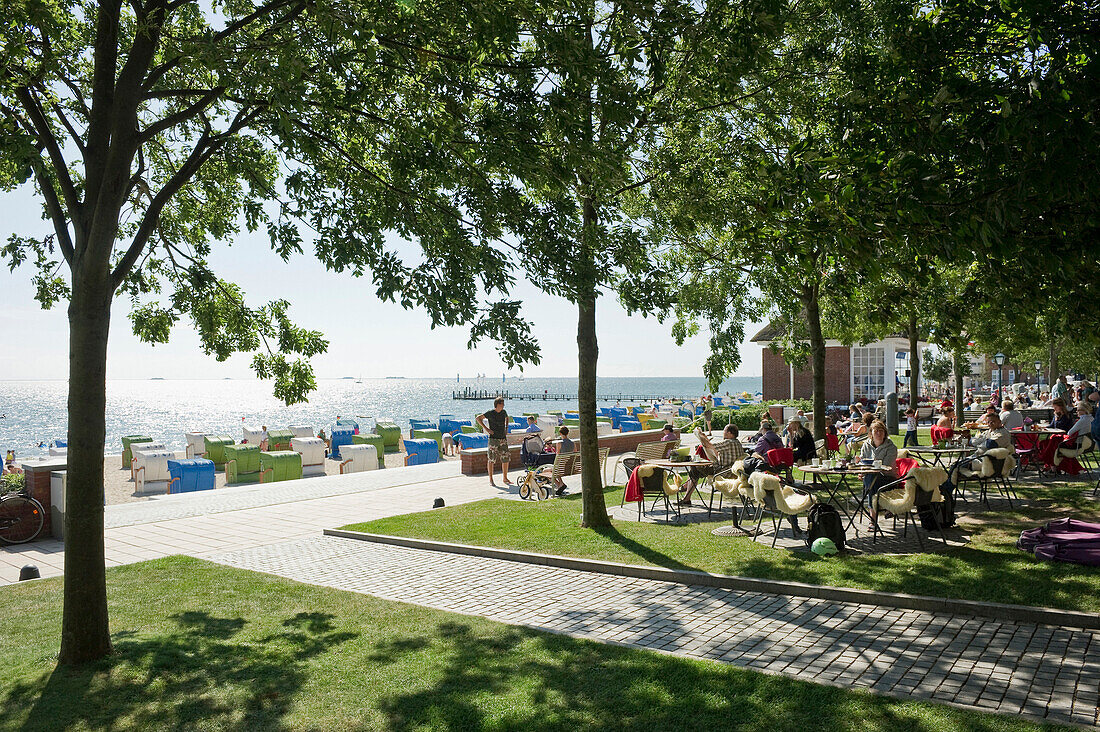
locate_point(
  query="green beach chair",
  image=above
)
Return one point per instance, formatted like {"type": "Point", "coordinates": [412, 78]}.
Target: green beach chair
{"type": "Point", "coordinates": [242, 463]}
{"type": "Point", "coordinates": [372, 439]}
{"type": "Point", "coordinates": [430, 435]}
{"type": "Point", "coordinates": [391, 435]}
{"type": "Point", "coordinates": [127, 452]}
{"type": "Point", "coordinates": [469, 429]}
{"type": "Point", "coordinates": [215, 448]}
{"type": "Point", "coordinates": [282, 465]}
{"type": "Point", "coordinates": [279, 440]}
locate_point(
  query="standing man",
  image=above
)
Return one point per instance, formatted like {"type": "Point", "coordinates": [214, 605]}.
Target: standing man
{"type": "Point", "coordinates": [497, 428]}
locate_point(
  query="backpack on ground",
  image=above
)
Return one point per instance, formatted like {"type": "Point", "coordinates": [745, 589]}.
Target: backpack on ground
{"type": "Point", "coordinates": [825, 521]}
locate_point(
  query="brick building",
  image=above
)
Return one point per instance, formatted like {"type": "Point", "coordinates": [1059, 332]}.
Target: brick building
{"type": "Point", "coordinates": [866, 371]}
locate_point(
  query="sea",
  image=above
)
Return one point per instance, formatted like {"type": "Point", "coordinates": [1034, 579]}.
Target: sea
{"type": "Point", "coordinates": [33, 413]}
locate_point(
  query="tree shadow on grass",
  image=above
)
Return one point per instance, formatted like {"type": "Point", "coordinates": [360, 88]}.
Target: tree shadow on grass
{"type": "Point", "coordinates": [647, 553]}
{"type": "Point", "coordinates": [205, 673]}
{"type": "Point", "coordinates": [524, 679]}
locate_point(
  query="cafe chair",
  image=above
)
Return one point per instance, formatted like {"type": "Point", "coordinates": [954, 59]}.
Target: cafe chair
{"type": "Point", "coordinates": [1079, 452]}
{"type": "Point", "coordinates": [919, 488]}
{"type": "Point", "coordinates": [644, 451]}
{"type": "Point", "coordinates": [650, 481]}
{"type": "Point", "coordinates": [995, 466]}
{"type": "Point", "coordinates": [777, 500]}
{"type": "Point", "coordinates": [1026, 448]}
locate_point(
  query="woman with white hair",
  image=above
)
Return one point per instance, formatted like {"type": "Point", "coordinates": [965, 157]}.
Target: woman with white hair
{"type": "Point", "coordinates": [1082, 426]}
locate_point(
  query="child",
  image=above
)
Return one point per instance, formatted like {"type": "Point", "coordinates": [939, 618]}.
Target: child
{"type": "Point", "coordinates": [910, 428]}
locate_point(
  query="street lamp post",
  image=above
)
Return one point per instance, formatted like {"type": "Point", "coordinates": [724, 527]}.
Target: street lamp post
{"type": "Point", "coordinates": [1038, 373]}
{"type": "Point", "coordinates": [999, 359]}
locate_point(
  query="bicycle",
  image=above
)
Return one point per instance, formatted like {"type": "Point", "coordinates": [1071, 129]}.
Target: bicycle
{"type": "Point", "coordinates": [21, 518]}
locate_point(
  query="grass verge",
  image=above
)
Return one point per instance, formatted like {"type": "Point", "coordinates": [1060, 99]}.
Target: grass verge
{"type": "Point", "coordinates": [988, 569]}
{"type": "Point", "coordinates": [201, 646]}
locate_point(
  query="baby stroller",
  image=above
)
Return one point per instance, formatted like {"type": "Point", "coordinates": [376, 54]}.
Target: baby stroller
{"type": "Point", "coordinates": [533, 482]}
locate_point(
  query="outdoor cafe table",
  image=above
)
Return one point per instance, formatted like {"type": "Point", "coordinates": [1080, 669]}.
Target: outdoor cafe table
{"type": "Point", "coordinates": [818, 473]}
{"type": "Point", "coordinates": [938, 454]}
{"type": "Point", "coordinates": [672, 465]}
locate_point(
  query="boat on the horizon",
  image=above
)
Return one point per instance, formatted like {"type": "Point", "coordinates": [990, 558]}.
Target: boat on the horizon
{"type": "Point", "coordinates": [156, 378]}
{"type": "Point", "coordinates": [395, 377]}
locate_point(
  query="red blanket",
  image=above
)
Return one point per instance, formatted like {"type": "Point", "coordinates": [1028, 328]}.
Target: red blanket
{"type": "Point", "coordinates": [1047, 450]}
{"type": "Point", "coordinates": [634, 487]}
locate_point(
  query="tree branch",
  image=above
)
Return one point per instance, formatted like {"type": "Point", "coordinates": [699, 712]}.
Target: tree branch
{"type": "Point", "coordinates": [42, 132]}
{"type": "Point", "coordinates": [204, 149]}
{"type": "Point", "coordinates": [182, 115]}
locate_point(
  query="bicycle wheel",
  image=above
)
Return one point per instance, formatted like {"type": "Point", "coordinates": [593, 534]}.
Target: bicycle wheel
{"type": "Point", "coordinates": [21, 519]}
{"type": "Point", "coordinates": [525, 489]}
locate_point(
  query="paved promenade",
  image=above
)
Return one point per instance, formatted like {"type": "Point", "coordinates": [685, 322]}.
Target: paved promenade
{"type": "Point", "coordinates": [247, 516]}
{"type": "Point", "coordinates": [1017, 668]}
{"type": "Point", "coordinates": [1008, 667]}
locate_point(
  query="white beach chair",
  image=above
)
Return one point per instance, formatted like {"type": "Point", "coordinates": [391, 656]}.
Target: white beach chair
{"type": "Point", "coordinates": [150, 470]}
{"type": "Point", "coordinates": [312, 450]}
{"type": "Point", "coordinates": [196, 444]}
{"type": "Point", "coordinates": [302, 430]}
{"type": "Point", "coordinates": [358, 458]}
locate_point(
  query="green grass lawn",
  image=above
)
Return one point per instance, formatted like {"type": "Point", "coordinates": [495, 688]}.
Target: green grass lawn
{"type": "Point", "coordinates": [203, 647]}
{"type": "Point", "coordinates": [989, 568]}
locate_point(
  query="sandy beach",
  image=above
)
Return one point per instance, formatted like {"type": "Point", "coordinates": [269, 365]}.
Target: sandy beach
{"type": "Point", "coordinates": [119, 487]}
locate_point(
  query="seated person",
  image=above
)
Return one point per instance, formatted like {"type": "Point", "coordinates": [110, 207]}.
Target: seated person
{"type": "Point", "coordinates": [565, 446]}
{"type": "Point", "coordinates": [667, 435]}
{"type": "Point", "coordinates": [830, 427]}
{"type": "Point", "coordinates": [801, 441]}
{"type": "Point", "coordinates": [770, 441]}
{"type": "Point", "coordinates": [767, 441]}
{"type": "Point", "coordinates": [990, 411]}
{"type": "Point", "coordinates": [947, 419]}
{"type": "Point", "coordinates": [994, 438]}
{"type": "Point", "coordinates": [532, 426]}
{"type": "Point", "coordinates": [1083, 425]}
{"type": "Point", "coordinates": [857, 433]}
{"type": "Point", "coordinates": [1094, 403]}
{"type": "Point", "coordinates": [10, 468]}
{"type": "Point", "coordinates": [725, 453]}
{"type": "Point", "coordinates": [1010, 418]}
{"type": "Point", "coordinates": [879, 446]}
{"type": "Point", "coordinates": [1062, 419]}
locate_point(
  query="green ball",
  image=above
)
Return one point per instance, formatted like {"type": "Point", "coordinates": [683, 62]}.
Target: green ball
{"type": "Point", "coordinates": [824, 547]}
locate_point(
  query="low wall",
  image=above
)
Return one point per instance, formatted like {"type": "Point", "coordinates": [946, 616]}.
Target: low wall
{"type": "Point", "coordinates": [38, 485]}
{"type": "Point", "coordinates": [476, 461]}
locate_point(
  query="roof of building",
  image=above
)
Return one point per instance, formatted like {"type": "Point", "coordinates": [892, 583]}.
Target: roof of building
{"type": "Point", "coordinates": [772, 331]}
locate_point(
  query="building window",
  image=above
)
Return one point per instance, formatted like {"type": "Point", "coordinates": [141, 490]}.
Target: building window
{"type": "Point", "coordinates": [868, 373]}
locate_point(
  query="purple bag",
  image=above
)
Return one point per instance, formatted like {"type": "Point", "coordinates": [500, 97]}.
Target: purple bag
{"type": "Point", "coordinates": [1064, 540]}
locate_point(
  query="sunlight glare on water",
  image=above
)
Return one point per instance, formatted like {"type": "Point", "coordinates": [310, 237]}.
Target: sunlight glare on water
{"type": "Point", "coordinates": [35, 411]}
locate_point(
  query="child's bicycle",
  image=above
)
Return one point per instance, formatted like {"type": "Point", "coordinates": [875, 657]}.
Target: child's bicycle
{"type": "Point", "coordinates": [534, 482]}
{"type": "Point", "coordinates": [21, 518]}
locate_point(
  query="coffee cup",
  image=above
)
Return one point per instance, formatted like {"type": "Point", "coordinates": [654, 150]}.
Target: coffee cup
{"type": "Point", "coordinates": [817, 461]}
{"type": "Point", "coordinates": [878, 464]}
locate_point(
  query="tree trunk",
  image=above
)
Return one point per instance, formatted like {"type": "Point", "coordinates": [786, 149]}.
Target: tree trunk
{"type": "Point", "coordinates": [588, 351]}
{"type": "Point", "coordinates": [1052, 373]}
{"type": "Point", "coordinates": [914, 362]}
{"type": "Point", "coordinates": [817, 358]}
{"type": "Point", "coordinates": [85, 635]}
{"type": "Point", "coordinates": [957, 359]}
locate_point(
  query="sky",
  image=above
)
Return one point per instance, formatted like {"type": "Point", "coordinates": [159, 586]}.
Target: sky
{"type": "Point", "coordinates": [366, 337]}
